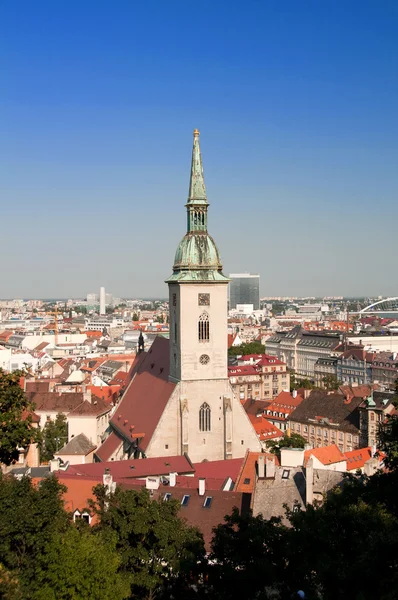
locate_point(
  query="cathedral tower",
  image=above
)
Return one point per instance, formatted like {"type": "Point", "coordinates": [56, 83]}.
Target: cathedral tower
{"type": "Point", "coordinates": [198, 292]}
{"type": "Point", "coordinates": [211, 424]}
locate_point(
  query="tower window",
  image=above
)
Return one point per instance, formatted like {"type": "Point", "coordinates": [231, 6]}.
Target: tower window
{"type": "Point", "coordinates": [205, 417]}
{"type": "Point", "coordinates": [204, 327]}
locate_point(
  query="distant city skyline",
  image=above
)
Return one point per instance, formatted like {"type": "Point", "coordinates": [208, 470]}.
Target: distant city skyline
{"type": "Point", "coordinates": [297, 108]}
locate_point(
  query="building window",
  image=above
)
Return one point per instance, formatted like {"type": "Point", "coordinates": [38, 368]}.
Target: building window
{"type": "Point", "coordinates": [204, 359]}
{"type": "Point", "coordinates": [204, 327]}
{"type": "Point", "coordinates": [305, 428]}
{"type": "Point", "coordinates": [204, 417]}
{"type": "Point", "coordinates": [298, 427]}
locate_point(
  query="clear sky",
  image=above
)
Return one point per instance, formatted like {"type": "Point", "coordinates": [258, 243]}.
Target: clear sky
{"type": "Point", "coordinates": [297, 105]}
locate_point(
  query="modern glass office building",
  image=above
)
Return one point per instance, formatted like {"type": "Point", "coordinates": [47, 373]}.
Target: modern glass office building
{"type": "Point", "coordinates": [244, 288]}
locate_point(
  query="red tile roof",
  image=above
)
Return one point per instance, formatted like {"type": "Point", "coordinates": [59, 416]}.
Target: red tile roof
{"type": "Point", "coordinates": [326, 455]}
{"type": "Point", "coordinates": [219, 469]}
{"type": "Point", "coordinates": [37, 386]}
{"type": "Point", "coordinates": [248, 473]}
{"type": "Point", "coordinates": [141, 467]}
{"type": "Point", "coordinates": [264, 429]}
{"type": "Point", "coordinates": [108, 393]}
{"type": "Point", "coordinates": [356, 459]}
{"type": "Point", "coordinates": [242, 370]}
{"type": "Point", "coordinates": [146, 397]}
{"type": "Point", "coordinates": [285, 402]}
{"type": "Point", "coordinates": [54, 402]}
{"type": "Point", "coordinates": [109, 447]}
{"type": "Point", "coordinates": [96, 407]}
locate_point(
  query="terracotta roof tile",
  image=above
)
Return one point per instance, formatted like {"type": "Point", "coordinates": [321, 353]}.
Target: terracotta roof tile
{"type": "Point", "coordinates": [146, 397]}
{"type": "Point", "coordinates": [326, 455]}
{"type": "Point", "coordinates": [109, 447]}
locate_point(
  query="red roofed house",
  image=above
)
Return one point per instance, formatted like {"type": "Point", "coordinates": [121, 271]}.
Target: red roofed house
{"type": "Point", "coordinates": [91, 418]}
{"type": "Point", "coordinates": [265, 430]}
{"type": "Point", "coordinates": [259, 376]}
{"type": "Point", "coordinates": [180, 399]}
{"type": "Point", "coordinates": [278, 411]}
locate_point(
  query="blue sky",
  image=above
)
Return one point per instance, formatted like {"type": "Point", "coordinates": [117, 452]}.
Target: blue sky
{"type": "Point", "coordinates": [296, 102]}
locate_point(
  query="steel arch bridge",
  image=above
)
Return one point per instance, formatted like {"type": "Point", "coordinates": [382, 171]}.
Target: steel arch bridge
{"type": "Point", "coordinates": [388, 305]}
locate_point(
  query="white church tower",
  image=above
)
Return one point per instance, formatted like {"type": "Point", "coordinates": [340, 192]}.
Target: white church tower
{"type": "Point", "coordinates": [212, 423]}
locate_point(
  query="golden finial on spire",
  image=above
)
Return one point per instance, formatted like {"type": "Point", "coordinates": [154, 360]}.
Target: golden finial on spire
{"type": "Point", "coordinates": [196, 132]}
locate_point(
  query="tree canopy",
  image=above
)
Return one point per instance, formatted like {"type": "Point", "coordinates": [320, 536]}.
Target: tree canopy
{"type": "Point", "coordinates": [157, 548]}
{"type": "Point", "coordinates": [16, 428]}
{"type": "Point", "coordinates": [54, 437]}
{"type": "Point", "coordinates": [244, 349]}
{"type": "Point", "coordinates": [294, 440]}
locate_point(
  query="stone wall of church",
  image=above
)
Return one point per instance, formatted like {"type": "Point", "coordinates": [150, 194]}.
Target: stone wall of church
{"type": "Point", "coordinates": [186, 348]}
{"type": "Point", "coordinates": [179, 428]}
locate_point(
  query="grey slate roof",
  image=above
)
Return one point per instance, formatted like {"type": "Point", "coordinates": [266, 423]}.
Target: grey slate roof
{"type": "Point", "coordinates": [329, 407]}
{"type": "Point", "coordinates": [78, 445]}
{"type": "Point", "coordinates": [271, 494]}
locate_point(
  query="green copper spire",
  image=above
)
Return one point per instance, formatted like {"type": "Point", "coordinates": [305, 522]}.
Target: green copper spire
{"type": "Point", "coordinates": [197, 189]}
{"type": "Point", "coordinates": [197, 258]}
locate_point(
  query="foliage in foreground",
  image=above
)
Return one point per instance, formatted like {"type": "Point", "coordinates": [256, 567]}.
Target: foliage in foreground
{"type": "Point", "coordinates": [16, 430]}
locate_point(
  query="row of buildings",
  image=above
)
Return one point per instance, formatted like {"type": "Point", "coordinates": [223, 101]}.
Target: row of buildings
{"type": "Point", "coordinates": [350, 359]}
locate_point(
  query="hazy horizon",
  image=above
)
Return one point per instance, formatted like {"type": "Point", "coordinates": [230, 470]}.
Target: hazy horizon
{"type": "Point", "coordinates": [297, 108]}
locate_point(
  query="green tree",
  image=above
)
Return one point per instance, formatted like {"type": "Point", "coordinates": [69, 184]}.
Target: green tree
{"type": "Point", "coordinates": [247, 557]}
{"type": "Point", "coordinates": [294, 440]}
{"type": "Point", "coordinates": [158, 550]}
{"type": "Point", "coordinates": [16, 429]}
{"type": "Point", "coordinates": [54, 437]}
{"type": "Point", "coordinates": [159, 319]}
{"type": "Point", "coordinates": [80, 565]}
{"type": "Point", "coordinates": [330, 382]}
{"type": "Point", "coordinates": [29, 516]}
{"type": "Point", "coordinates": [135, 317]}
{"type": "Point", "coordinates": [244, 349]}
{"type": "Point", "coordinates": [355, 534]}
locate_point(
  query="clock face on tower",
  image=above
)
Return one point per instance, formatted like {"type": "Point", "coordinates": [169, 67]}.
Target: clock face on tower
{"type": "Point", "coordinates": [204, 299]}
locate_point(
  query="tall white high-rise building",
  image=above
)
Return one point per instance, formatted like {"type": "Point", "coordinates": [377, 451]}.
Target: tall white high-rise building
{"type": "Point", "coordinates": [102, 301]}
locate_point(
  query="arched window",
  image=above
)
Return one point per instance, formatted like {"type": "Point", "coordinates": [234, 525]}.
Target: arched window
{"type": "Point", "coordinates": [204, 417]}
{"type": "Point", "coordinates": [204, 327]}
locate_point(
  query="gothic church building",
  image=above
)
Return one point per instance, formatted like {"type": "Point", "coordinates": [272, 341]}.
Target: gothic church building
{"type": "Point", "coordinates": [179, 399]}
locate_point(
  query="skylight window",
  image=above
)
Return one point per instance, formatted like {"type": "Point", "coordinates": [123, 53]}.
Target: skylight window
{"type": "Point", "coordinates": [285, 474]}
{"type": "Point", "coordinates": [167, 497]}
{"type": "Point", "coordinates": [208, 501]}
{"type": "Point", "coordinates": [185, 500]}
{"type": "Point", "coordinates": [246, 481]}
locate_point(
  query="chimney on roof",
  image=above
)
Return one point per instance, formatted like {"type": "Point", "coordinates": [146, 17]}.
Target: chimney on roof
{"type": "Point", "coordinates": [108, 482]}
{"type": "Point", "coordinates": [173, 479]}
{"type": "Point", "coordinates": [202, 486]}
{"type": "Point", "coordinates": [309, 482]}
{"type": "Point", "coordinates": [270, 467]}
{"type": "Point", "coordinates": [54, 465]}
{"type": "Point", "coordinates": [261, 466]}
{"type": "Point", "coordinates": [86, 395]}
{"type": "Point", "coordinates": [152, 483]}
{"type": "Point", "coordinates": [294, 394]}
